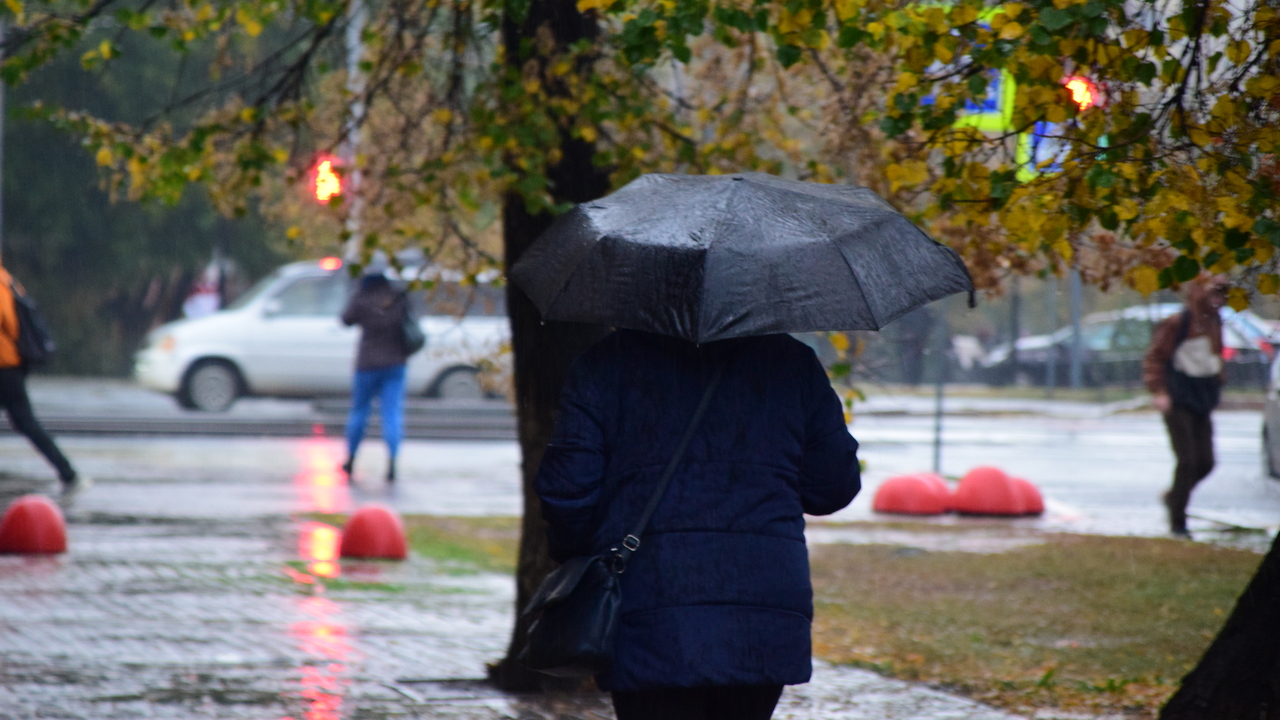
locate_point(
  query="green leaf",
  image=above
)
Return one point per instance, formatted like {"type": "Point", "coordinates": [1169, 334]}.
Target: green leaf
{"type": "Point", "coordinates": [1100, 176]}
{"type": "Point", "coordinates": [977, 85]}
{"type": "Point", "coordinates": [1269, 229]}
{"type": "Point", "coordinates": [788, 55]}
{"type": "Point", "coordinates": [1234, 239]}
{"type": "Point", "coordinates": [1055, 19]}
{"type": "Point", "coordinates": [1185, 269]}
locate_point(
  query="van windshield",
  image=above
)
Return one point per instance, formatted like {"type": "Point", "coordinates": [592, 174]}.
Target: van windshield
{"type": "Point", "coordinates": [254, 292]}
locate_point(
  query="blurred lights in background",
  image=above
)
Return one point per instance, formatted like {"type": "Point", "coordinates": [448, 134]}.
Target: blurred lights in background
{"type": "Point", "coordinates": [1084, 93]}
{"type": "Point", "coordinates": [330, 263]}
{"type": "Point", "coordinates": [327, 183]}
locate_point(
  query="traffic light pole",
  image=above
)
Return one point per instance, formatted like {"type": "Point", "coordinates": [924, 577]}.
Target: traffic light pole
{"type": "Point", "coordinates": [356, 18]}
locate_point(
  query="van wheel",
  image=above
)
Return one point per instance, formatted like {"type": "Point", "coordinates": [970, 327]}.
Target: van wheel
{"type": "Point", "coordinates": [211, 386]}
{"type": "Point", "coordinates": [459, 384]}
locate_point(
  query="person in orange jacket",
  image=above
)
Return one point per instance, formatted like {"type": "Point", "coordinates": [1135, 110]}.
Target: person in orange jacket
{"type": "Point", "coordinates": [13, 390]}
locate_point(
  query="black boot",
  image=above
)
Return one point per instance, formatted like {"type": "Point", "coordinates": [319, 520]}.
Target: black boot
{"type": "Point", "coordinates": [349, 466]}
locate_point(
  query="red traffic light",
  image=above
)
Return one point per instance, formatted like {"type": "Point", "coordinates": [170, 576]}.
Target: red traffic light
{"type": "Point", "coordinates": [326, 183]}
{"type": "Point", "coordinates": [1084, 93]}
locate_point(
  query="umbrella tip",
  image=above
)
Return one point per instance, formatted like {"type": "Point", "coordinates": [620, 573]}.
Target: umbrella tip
{"type": "Point", "coordinates": [973, 300]}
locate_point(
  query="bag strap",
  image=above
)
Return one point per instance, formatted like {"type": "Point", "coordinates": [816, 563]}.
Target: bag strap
{"type": "Point", "coordinates": [631, 542]}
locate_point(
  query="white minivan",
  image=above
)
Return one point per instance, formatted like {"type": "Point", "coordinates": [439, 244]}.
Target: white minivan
{"type": "Point", "coordinates": [283, 338]}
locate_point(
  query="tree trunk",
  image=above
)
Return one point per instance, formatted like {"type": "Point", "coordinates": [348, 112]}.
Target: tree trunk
{"type": "Point", "coordinates": [542, 352]}
{"type": "Point", "coordinates": [1239, 676]}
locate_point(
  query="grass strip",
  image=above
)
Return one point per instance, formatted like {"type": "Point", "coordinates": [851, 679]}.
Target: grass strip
{"type": "Point", "coordinates": [1079, 623]}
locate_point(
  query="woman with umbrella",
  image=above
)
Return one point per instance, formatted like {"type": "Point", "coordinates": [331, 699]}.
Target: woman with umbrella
{"type": "Point", "coordinates": [705, 275]}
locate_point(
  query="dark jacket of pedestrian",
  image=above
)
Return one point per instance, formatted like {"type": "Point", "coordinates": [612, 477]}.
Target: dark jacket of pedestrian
{"type": "Point", "coordinates": [719, 591]}
{"type": "Point", "coordinates": [378, 308]}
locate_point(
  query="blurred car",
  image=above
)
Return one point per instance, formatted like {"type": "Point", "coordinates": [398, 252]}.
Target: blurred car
{"type": "Point", "coordinates": [284, 338]}
{"type": "Point", "coordinates": [1114, 342]}
{"type": "Point", "coordinates": [1271, 423]}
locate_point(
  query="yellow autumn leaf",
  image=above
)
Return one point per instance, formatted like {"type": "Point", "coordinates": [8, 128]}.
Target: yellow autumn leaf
{"type": "Point", "coordinates": [963, 15]}
{"type": "Point", "coordinates": [104, 157]}
{"type": "Point", "coordinates": [1238, 51]}
{"type": "Point", "coordinates": [845, 9]}
{"type": "Point", "coordinates": [1268, 283]}
{"type": "Point", "coordinates": [442, 116]}
{"type": "Point", "coordinates": [250, 24]}
{"type": "Point", "coordinates": [1055, 113]}
{"type": "Point", "coordinates": [15, 6]}
{"type": "Point", "coordinates": [293, 232]}
{"type": "Point", "coordinates": [1145, 280]}
{"type": "Point", "coordinates": [1238, 299]}
{"type": "Point", "coordinates": [588, 133]}
{"type": "Point", "coordinates": [1198, 135]}
{"type": "Point", "coordinates": [839, 341]}
{"type": "Point", "coordinates": [1012, 31]}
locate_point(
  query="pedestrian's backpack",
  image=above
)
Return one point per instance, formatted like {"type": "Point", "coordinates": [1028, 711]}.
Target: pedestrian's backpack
{"type": "Point", "coordinates": [1198, 394]}
{"type": "Point", "coordinates": [35, 342]}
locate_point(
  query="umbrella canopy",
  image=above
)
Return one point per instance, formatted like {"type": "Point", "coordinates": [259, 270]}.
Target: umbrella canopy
{"type": "Point", "coordinates": [711, 257]}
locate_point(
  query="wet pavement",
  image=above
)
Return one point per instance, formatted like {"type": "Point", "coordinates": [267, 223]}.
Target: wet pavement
{"type": "Point", "coordinates": [195, 587]}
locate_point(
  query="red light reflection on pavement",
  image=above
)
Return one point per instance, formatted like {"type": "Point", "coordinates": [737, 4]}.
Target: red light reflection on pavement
{"type": "Point", "coordinates": [320, 485]}
{"type": "Point", "coordinates": [318, 545]}
{"type": "Point", "coordinates": [323, 638]}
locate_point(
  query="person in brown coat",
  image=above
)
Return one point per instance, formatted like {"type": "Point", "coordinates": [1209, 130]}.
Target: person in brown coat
{"type": "Point", "coordinates": [1184, 372]}
{"type": "Point", "coordinates": [13, 390]}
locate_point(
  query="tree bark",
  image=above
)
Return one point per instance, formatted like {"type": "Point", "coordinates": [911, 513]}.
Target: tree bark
{"type": "Point", "coordinates": [1239, 676]}
{"type": "Point", "coordinates": [542, 352]}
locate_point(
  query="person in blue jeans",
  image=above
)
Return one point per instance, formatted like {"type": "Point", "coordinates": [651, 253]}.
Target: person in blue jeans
{"type": "Point", "coordinates": [378, 309]}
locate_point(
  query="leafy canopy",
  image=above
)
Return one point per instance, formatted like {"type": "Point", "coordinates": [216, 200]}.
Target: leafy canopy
{"type": "Point", "coordinates": [1173, 168]}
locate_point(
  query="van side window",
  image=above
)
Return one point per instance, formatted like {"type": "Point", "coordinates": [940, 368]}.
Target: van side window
{"type": "Point", "coordinates": [317, 295]}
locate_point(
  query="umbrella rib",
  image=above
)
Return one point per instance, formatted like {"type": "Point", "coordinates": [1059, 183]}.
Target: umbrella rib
{"type": "Point", "coordinates": [853, 273]}
{"type": "Point", "coordinates": [715, 237]}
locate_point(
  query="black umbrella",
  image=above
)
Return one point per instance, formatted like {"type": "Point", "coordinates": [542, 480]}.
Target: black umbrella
{"type": "Point", "coordinates": [710, 257]}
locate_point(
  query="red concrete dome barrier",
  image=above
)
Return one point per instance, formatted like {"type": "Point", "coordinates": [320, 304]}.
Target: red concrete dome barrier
{"type": "Point", "coordinates": [1032, 501]}
{"type": "Point", "coordinates": [989, 491]}
{"type": "Point", "coordinates": [33, 525]}
{"type": "Point", "coordinates": [374, 532]}
{"type": "Point", "coordinates": [911, 495]}
{"type": "Point", "coordinates": [940, 485]}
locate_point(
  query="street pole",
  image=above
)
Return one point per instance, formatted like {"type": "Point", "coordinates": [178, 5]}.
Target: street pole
{"type": "Point", "coordinates": [1051, 370]}
{"type": "Point", "coordinates": [356, 17]}
{"type": "Point", "coordinates": [1015, 327]}
{"type": "Point", "coordinates": [1077, 346]}
{"type": "Point", "coordinates": [940, 372]}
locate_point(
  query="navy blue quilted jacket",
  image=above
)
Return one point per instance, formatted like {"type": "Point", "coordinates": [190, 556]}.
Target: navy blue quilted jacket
{"type": "Point", "coordinates": [719, 591]}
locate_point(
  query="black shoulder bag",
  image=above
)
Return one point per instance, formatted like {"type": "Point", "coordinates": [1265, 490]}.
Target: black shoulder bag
{"type": "Point", "coordinates": [575, 610]}
{"type": "Point", "coordinates": [35, 342]}
{"type": "Point", "coordinates": [412, 339]}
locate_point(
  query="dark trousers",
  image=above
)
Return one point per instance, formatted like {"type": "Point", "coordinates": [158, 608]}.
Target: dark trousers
{"type": "Point", "coordinates": [14, 400]}
{"type": "Point", "coordinates": [717, 702]}
{"type": "Point", "coordinates": [1191, 435]}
